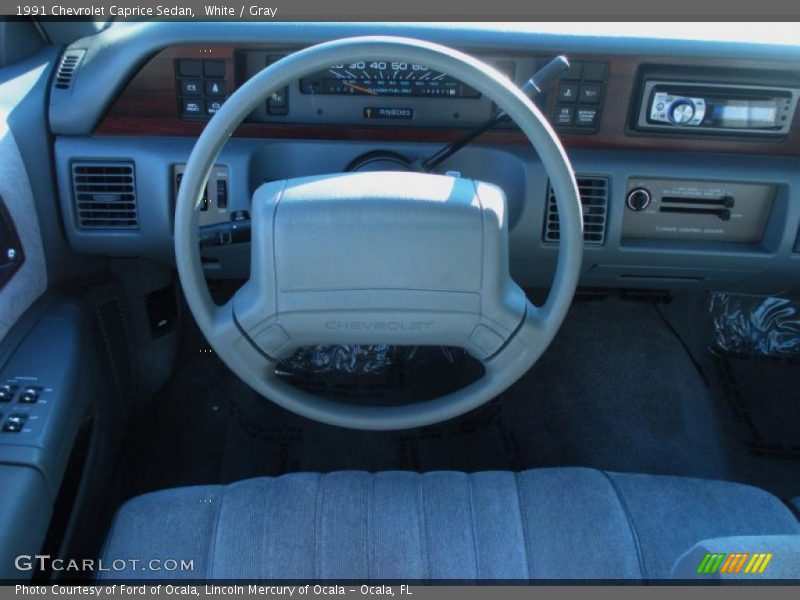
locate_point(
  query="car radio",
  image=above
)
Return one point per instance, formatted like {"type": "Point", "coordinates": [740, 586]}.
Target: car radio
{"type": "Point", "coordinates": [718, 108]}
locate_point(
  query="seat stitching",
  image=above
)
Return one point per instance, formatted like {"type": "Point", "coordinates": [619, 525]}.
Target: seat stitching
{"type": "Point", "coordinates": [212, 546]}
{"type": "Point", "coordinates": [109, 538]}
{"type": "Point", "coordinates": [472, 525]}
{"type": "Point", "coordinates": [267, 512]}
{"type": "Point", "coordinates": [370, 517]}
{"type": "Point", "coordinates": [317, 500]}
{"type": "Point", "coordinates": [524, 526]}
{"type": "Point", "coordinates": [423, 525]}
{"type": "Point", "coordinates": [629, 518]}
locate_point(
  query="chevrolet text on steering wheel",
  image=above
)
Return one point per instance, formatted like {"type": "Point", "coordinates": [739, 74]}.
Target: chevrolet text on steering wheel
{"type": "Point", "coordinates": [379, 257]}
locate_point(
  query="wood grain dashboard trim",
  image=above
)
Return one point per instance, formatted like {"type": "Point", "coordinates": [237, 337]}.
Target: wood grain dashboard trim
{"type": "Point", "coordinates": [147, 106]}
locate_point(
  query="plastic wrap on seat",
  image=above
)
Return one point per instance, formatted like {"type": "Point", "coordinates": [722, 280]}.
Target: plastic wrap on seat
{"type": "Point", "coordinates": [751, 324]}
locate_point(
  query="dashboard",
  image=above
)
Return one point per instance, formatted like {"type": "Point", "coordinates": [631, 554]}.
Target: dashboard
{"type": "Point", "coordinates": [686, 153]}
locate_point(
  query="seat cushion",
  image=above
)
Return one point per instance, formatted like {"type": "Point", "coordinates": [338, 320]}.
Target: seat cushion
{"type": "Point", "coordinates": [546, 523]}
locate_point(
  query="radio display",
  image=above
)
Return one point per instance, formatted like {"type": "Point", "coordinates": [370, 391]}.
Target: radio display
{"type": "Point", "coordinates": [385, 78]}
{"type": "Point", "coordinates": [745, 114]}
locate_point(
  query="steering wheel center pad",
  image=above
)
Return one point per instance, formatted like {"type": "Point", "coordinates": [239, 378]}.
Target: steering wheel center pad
{"type": "Point", "coordinates": [379, 257]}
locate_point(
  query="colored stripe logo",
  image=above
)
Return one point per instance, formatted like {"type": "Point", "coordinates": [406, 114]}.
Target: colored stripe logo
{"type": "Point", "coordinates": [737, 562]}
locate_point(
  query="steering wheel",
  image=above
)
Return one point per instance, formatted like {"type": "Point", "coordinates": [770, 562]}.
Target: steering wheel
{"type": "Point", "coordinates": [399, 258]}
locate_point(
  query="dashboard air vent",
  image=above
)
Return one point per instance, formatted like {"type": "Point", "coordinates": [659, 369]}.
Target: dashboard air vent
{"type": "Point", "coordinates": [594, 198]}
{"type": "Point", "coordinates": [105, 195]}
{"type": "Point", "coordinates": [67, 67]}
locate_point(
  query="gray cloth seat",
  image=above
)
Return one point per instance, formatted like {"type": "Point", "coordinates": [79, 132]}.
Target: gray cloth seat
{"type": "Point", "coordinates": [546, 523]}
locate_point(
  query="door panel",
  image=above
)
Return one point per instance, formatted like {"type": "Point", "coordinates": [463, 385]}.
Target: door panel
{"type": "Point", "coordinates": [29, 280]}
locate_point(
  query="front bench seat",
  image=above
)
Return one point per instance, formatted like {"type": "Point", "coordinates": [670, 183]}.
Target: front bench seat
{"type": "Point", "coordinates": [545, 523]}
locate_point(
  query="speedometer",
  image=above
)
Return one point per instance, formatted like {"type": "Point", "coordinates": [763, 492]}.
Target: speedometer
{"type": "Point", "coordinates": [385, 78]}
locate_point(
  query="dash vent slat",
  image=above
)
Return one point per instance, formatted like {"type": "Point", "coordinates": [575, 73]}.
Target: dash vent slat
{"type": "Point", "coordinates": [104, 194]}
{"type": "Point", "coordinates": [594, 201]}
{"type": "Point", "coordinates": [69, 64]}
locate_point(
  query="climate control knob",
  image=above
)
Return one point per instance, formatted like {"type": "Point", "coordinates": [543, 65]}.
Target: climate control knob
{"type": "Point", "coordinates": [638, 199]}
{"type": "Point", "coordinates": [681, 111]}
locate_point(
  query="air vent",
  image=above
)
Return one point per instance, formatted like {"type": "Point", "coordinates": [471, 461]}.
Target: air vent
{"type": "Point", "coordinates": [67, 67]}
{"type": "Point", "coordinates": [594, 199]}
{"type": "Point", "coordinates": [105, 195]}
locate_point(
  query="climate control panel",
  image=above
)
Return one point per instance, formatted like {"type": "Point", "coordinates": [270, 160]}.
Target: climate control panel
{"type": "Point", "coordinates": [670, 209]}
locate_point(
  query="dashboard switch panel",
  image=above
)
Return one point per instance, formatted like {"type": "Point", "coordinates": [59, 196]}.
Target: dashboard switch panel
{"type": "Point", "coordinates": [579, 97]}
{"type": "Point", "coordinates": [202, 87]}
{"type": "Point", "coordinates": [214, 206]}
{"type": "Point", "coordinates": [707, 211]}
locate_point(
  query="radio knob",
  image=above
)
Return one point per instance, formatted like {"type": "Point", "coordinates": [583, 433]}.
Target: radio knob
{"type": "Point", "coordinates": [681, 111]}
{"type": "Point", "coordinates": [638, 199]}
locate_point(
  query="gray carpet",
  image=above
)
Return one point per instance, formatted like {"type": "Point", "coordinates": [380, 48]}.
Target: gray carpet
{"type": "Point", "coordinates": [617, 390]}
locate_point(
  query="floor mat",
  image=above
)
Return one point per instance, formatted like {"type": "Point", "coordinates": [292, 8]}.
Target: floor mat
{"type": "Point", "coordinates": [759, 395]}
{"type": "Point", "coordinates": [616, 390]}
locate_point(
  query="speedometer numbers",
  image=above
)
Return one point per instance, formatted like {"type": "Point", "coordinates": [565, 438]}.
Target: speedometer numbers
{"type": "Point", "coordinates": [382, 78]}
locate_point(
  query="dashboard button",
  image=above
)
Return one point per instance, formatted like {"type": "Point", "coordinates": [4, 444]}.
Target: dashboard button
{"type": "Point", "coordinates": [214, 68]}
{"type": "Point", "coordinates": [590, 94]}
{"type": "Point", "coordinates": [278, 102]}
{"type": "Point", "coordinates": [574, 72]}
{"type": "Point", "coordinates": [190, 68]}
{"type": "Point", "coordinates": [638, 199]}
{"type": "Point", "coordinates": [567, 92]}
{"type": "Point", "coordinates": [586, 117]}
{"type": "Point", "coordinates": [594, 71]}
{"type": "Point", "coordinates": [190, 87]}
{"type": "Point", "coordinates": [564, 115]}
{"type": "Point", "coordinates": [192, 108]}
{"type": "Point", "coordinates": [213, 106]}
{"type": "Point", "coordinates": [215, 88]}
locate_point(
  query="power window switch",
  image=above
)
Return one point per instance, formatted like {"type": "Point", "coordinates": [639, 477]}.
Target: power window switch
{"type": "Point", "coordinates": [29, 395]}
{"type": "Point", "coordinates": [14, 423]}
{"type": "Point", "coordinates": [7, 392]}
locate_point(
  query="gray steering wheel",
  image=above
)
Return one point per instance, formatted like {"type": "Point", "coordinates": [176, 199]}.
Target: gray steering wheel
{"type": "Point", "coordinates": [389, 257]}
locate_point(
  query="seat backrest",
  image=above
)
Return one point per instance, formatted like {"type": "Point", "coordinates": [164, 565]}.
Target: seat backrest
{"type": "Point", "coordinates": [741, 557]}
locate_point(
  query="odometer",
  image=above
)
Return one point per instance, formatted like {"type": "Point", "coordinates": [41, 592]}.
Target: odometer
{"type": "Point", "coordinates": [385, 78]}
